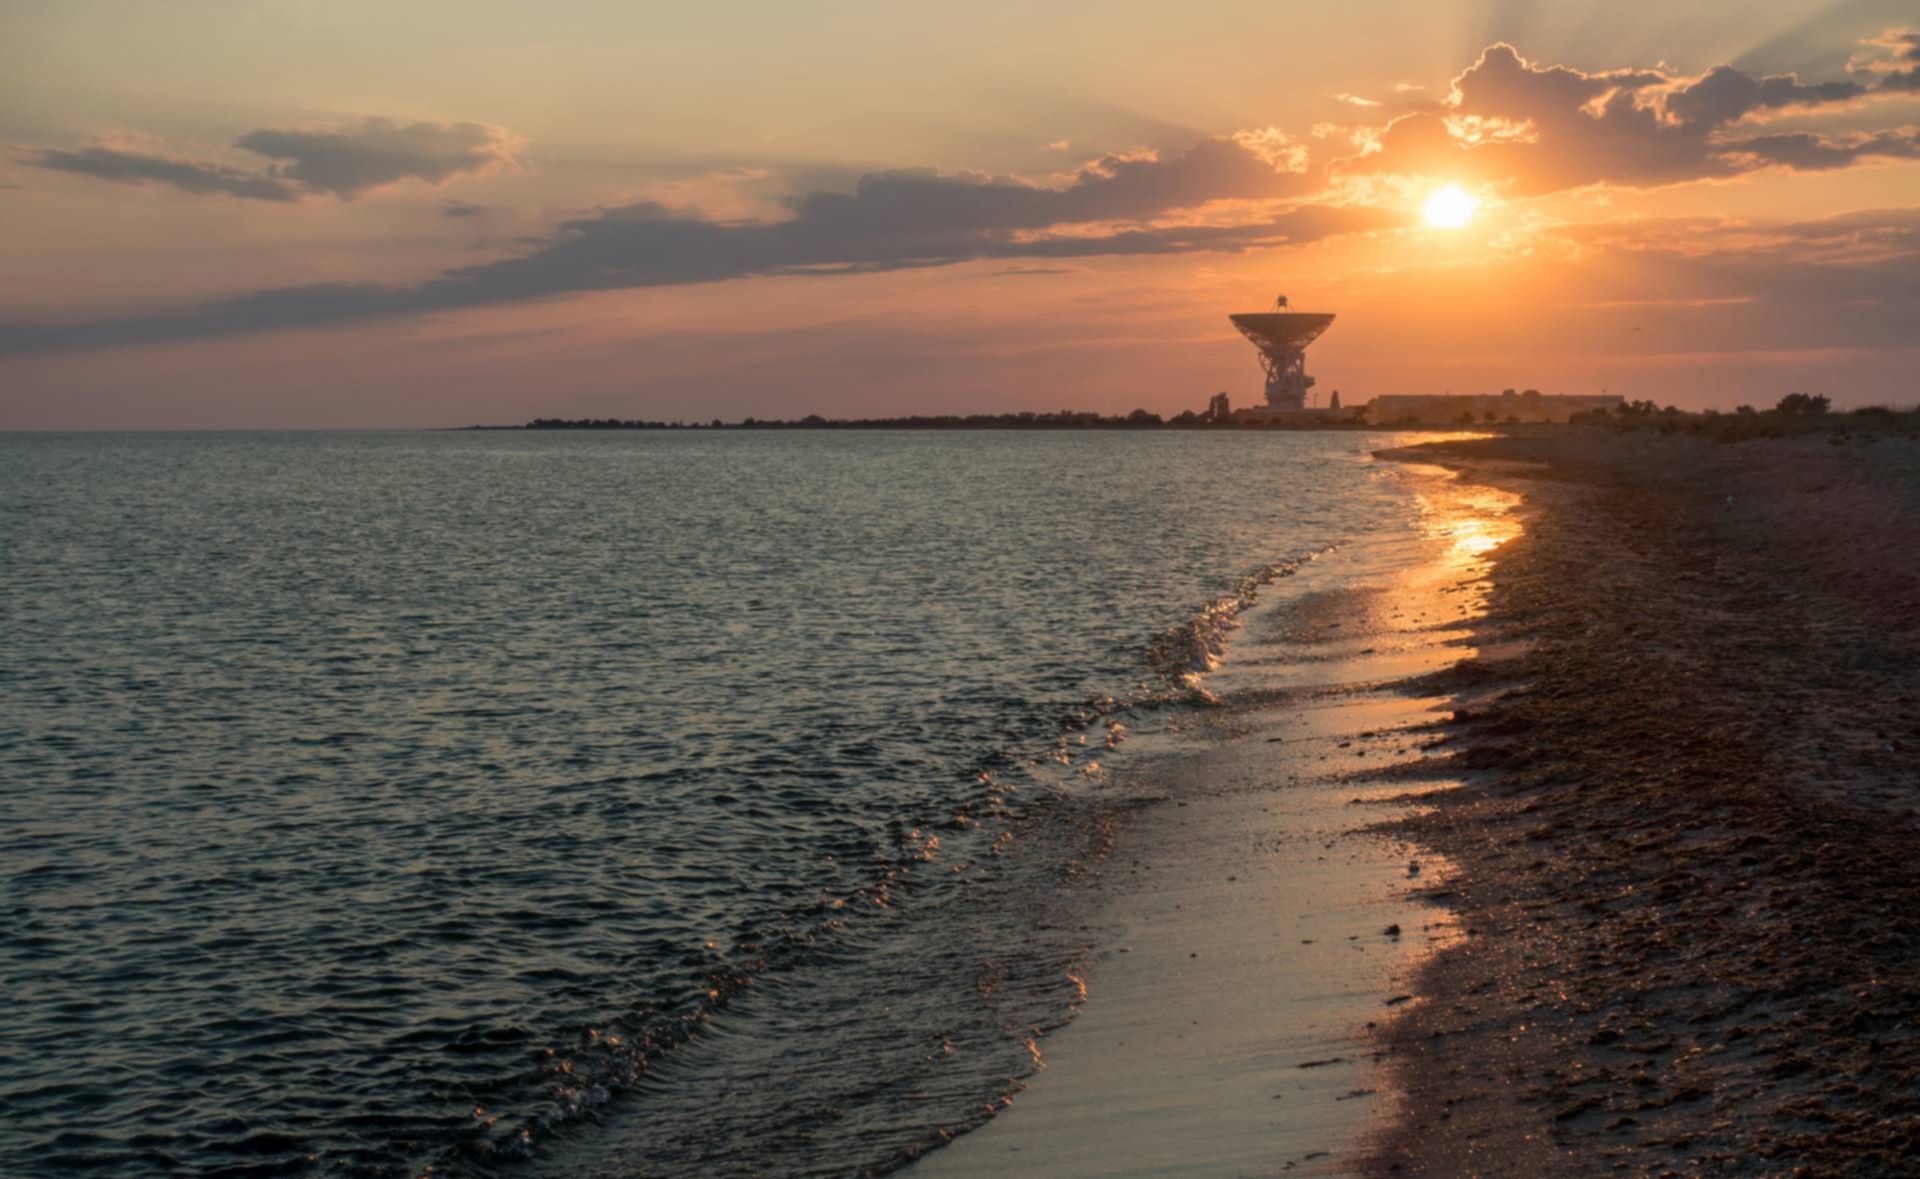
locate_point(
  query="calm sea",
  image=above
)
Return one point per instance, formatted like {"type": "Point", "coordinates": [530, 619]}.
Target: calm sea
{"type": "Point", "coordinates": [382, 800]}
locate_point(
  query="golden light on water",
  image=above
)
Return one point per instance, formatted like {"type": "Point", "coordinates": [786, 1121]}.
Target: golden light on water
{"type": "Point", "coordinates": [1479, 521]}
{"type": "Point", "coordinates": [1476, 537]}
{"type": "Point", "coordinates": [1469, 521]}
{"type": "Point", "coordinates": [1450, 207]}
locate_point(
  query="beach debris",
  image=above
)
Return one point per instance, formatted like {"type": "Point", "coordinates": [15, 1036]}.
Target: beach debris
{"type": "Point", "coordinates": [1577, 1108]}
{"type": "Point", "coordinates": [1321, 1063]}
{"type": "Point", "coordinates": [1399, 999]}
{"type": "Point", "coordinates": [1392, 930]}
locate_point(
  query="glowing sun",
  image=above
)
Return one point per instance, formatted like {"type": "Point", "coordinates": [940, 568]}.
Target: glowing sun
{"type": "Point", "coordinates": [1450, 208]}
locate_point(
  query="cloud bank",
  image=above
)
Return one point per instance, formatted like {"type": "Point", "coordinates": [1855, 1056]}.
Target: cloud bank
{"type": "Point", "coordinates": [339, 162]}
{"type": "Point", "coordinates": [898, 219]}
{"type": "Point", "coordinates": [1525, 128]}
{"type": "Point", "coordinates": [1534, 129]}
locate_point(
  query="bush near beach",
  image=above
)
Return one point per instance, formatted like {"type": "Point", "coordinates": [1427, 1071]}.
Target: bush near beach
{"type": "Point", "coordinates": [1793, 415]}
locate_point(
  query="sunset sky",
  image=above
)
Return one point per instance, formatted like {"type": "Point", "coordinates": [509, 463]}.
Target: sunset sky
{"type": "Point", "coordinates": [428, 212]}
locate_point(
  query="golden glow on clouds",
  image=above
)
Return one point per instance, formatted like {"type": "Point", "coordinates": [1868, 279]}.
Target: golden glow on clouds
{"type": "Point", "coordinates": [1449, 208]}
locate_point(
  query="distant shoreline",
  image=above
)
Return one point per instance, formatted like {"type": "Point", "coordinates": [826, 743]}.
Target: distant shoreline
{"type": "Point", "coordinates": [1797, 414]}
{"type": "Point", "coordinates": [1063, 421]}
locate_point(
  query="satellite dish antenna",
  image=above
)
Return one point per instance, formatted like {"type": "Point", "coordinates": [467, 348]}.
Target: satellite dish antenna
{"type": "Point", "coordinates": [1282, 336]}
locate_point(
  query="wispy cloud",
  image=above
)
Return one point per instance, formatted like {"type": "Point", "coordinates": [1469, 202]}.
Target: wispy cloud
{"type": "Point", "coordinates": [901, 219]}
{"type": "Point", "coordinates": [376, 152]}
{"type": "Point", "coordinates": [343, 162]}
{"type": "Point", "coordinates": [130, 167]}
{"type": "Point", "coordinates": [1894, 56]}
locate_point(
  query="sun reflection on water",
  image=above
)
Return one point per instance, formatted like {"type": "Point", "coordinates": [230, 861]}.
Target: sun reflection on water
{"type": "Point", "coordinates": [1471, 522]}
{"type": "Point", "coordinates": [1476, 536]}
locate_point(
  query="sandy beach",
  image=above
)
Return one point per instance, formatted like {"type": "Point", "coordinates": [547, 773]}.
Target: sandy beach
{"type": "Point", "coordinates": [1629, 766]}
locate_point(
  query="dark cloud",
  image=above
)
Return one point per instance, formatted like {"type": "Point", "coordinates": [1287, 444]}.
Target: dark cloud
{"type": "Point", "coordinates": [891, 221]}
{"type": "Point", "coordinates": [1806, 152]}
{"type": "Point", "coordinates": [339, 162]}
{"type": "Point", "coordinates": [378, 152]}
{"type": "Point", "coordinates": [1724, 95]}
{"type": "Point", "coordinates": [459, 209]}
{"type": "Point", "coordinates": [1545, 129]}
{"type": "Point", "coordinates": [1901, 72]}
{"type": "Point", "coordinates": [127, 167]}
{"type": "Point", "coordinates": [1113, 188]}
{"type": "Point", "coordinates": [1538, 129]}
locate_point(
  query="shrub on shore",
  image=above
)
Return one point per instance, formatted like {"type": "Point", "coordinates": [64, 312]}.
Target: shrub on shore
{"type": "Point", "coordinates": [1793, 415]}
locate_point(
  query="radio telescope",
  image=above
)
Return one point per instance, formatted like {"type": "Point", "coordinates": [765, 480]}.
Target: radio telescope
{"type": "Point", "coordinates": [1282, 335]}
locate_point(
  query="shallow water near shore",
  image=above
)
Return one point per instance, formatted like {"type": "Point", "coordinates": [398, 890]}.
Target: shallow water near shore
{"type": "Point", "coordinates": [1260, 913]}
{"type": "Point", "coordinates": [484, 801]}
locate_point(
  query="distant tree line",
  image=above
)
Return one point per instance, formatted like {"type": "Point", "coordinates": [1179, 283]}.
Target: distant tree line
{"type": "Point", "coordinates": [1796, 413]}
{"type": "Point", "coordinates": [1217, 415]}
{"type": "Point", "coordinates": [1065, 419]}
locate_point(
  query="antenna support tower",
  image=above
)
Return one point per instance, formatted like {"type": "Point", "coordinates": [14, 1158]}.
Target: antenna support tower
{"type": "Point", "coordinates": [1282, 336]}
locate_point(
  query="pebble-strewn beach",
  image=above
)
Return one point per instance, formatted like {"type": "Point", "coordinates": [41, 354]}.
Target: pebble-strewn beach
{"type": "Point", "coordinates": [1689, 833]}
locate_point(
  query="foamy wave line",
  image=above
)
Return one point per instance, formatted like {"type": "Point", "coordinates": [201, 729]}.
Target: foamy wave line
{"type": "Point", "coordinates": [600, 1063]}
{"type": "Point", "coordinates": [1188, 651]}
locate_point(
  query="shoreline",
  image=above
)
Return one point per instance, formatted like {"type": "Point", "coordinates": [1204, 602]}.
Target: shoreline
{"type": "Point", "coordinates": [1670, 770]}
{"type": "Point", "coordinates": [1688, 823]}
{"type": "Point", "coordinates": [1258, 915]}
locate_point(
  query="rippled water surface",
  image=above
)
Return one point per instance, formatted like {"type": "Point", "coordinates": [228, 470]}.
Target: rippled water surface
{"type": "Point", "coordinates": [481, 800]}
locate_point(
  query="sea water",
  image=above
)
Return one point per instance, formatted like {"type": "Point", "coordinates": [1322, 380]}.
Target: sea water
{"type": "Point", "coordinates": [378, 801]}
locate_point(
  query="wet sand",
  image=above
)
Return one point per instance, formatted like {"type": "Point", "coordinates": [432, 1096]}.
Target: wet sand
{"type": "Point", "coordinates": [1256, 923]}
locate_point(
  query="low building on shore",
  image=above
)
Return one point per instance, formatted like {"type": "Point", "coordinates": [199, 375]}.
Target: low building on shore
{"type": "Point", "coordinates": [1506, 406]}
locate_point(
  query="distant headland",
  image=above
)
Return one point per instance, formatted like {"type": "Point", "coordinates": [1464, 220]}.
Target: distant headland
{"type": "Point", "coordinates": [1410, 412]}
{"type": "Point", "coordinates": [1139, 419]}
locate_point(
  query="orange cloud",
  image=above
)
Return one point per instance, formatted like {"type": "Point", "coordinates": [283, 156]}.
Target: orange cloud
{"type": "Point", "coordinates": [1533, 129]}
